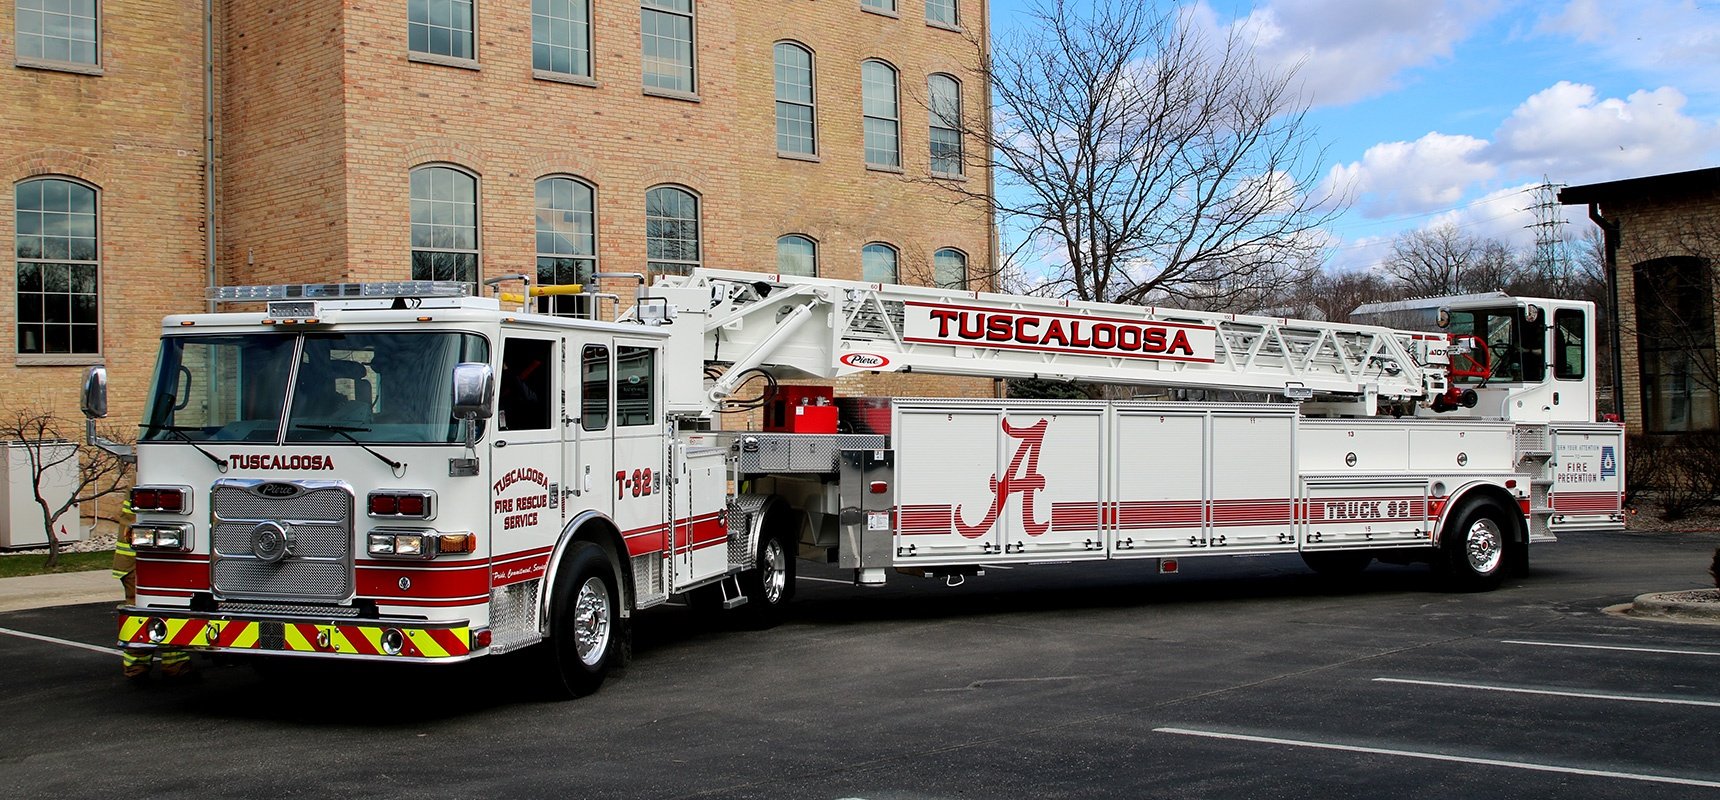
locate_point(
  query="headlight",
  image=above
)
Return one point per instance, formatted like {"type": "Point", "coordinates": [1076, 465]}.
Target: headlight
{"type": "Point", "coordinates": [142, 537]}
{"type": "Point", "coordinates": [381, 544]}
{"type": "Point", "coordinates": [409, 544]}
{"type": "Point", "coordinates": [418, 544]}
{"type": "Point", "coordinates": [161, 536]}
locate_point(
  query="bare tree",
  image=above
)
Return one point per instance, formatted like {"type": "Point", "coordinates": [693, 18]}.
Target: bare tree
{"type": "Point", "coordinates": [1147, 160]}
{"type": "Point", "coordinates": [1444, 260]}
{"type": "Point", "coordinates": [1336, 294]}
{"type": "Point", "coordinates": [99, 473]}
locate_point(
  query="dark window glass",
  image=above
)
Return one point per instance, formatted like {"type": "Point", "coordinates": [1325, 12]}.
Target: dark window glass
{"type": "Point", "coordinates": [525, 394]}
{"type": "Point", "coordinates": [594, 387]}
{"type": "Point", "coordinates": [635, 384]}
{"type": "Point", "coordinates": [1571, 354]}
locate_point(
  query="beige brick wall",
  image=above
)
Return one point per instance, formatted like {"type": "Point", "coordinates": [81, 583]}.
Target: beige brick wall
{"type": "Point", "coordinates": [322, 115]}
{"type": "Point", "coordinates": [1650, 229]}
{"type": "Point", "coordinates": [135, 131]}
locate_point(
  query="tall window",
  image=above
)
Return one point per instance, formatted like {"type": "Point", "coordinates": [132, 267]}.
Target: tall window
{"type": "Point", "coordinates": [887, 6]}
{"type": "Point", "coordinates": [671, 230]}
{"type": "Point", "coordinates": [795, 131]}
{"type": "Point", "coordinates": [444, 225]}
{"type": "Point", "coordinates": [878, 263]}
{"type": "Point", "coordinates": [58, 268]}
{"type": "Point", "coordinates": [566, 240]}
{"type": "Point", "coordinates": [666, 34]}
{"type": "Point", "coordinates": [57, 30]}
{"type": "Point", "coordinates": [942, 11]}
{"type": "Point", "coordinates": [883, 120]}
{"type": "Point", "coordinates": [944, 107]}
{"type": "Point", "coordinates": [441, 27]}
{"type": "Point", "coordinates": [949, 268]}
{"type": "Point", "coordinates": [561, 37]}
{"type": "Point", "coordinates": [796, 255]}
{"type": "Point", "coordinates": [1675, 345]}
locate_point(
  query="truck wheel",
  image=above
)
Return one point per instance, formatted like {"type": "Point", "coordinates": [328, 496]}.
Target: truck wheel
{"type": "Point", "coordinates": [585, 626]}
{"type": "Point", "coordinates": [1474, 549]}
{"type": "Point", "coordinates": [769, 585]}
{"type": "Point", "coordinates": [1338, 563]}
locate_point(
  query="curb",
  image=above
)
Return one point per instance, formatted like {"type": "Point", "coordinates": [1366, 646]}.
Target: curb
{"type": "Point", "coordinates": [1676, 605]}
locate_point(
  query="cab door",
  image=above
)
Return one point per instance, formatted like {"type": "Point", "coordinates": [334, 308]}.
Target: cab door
{"type": "Point", "coordinates": [525, 448]}
{"type": "Point", "coordinates": [592, 428]}
{"type": "Point", "coordinates": [637, 480]}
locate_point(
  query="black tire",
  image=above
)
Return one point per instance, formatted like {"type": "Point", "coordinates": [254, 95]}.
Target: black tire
{"type": "Point", "coordinates": [769, 585]}
{"type": "Point", "coordinates": [586, 635]}
{"type": "Point", "coordinates": [1338, 563]}
{"type": "Point", "coordinates": [1475, 547]}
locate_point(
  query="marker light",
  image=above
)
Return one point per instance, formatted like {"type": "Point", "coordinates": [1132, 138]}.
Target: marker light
{"type": "Point", "coordinates": [402, 504]}
{"type": "Point", "coordinates": [171, 499]}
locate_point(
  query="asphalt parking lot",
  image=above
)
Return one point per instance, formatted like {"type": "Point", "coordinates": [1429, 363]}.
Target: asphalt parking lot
{"type": "Point", "coordinates": [1241, 677]}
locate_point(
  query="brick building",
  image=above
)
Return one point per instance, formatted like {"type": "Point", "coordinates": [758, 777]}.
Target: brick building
{"type": "Point", "coordinates": [464, 139]}
{"type": "Point", "coordinates": [1662, 244]}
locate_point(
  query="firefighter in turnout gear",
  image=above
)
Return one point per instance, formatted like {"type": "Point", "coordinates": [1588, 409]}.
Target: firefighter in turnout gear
{"type": "Point", "coordinates": [135, 663]}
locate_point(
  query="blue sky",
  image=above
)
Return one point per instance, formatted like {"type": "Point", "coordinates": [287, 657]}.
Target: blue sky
{"type": "Point", "coordinates": [1447, 111]}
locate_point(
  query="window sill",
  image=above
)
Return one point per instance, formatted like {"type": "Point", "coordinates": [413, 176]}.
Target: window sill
{"type": "Point", "coordinates": [562, 77]}
{"type": "Point", "coordinates": [58, 359]}
{"type": "Point", "coordinates": [445, 61]}
{"type": "Point", "coordinates": [671, 94]}
{"type": "Point", "coordinates": [948, 176]}
{"type": "Point", "coordinates": [811, 157]}
{"type": "Point", "coordinates": [881, 12]}
{"type": "Point", "coordinates": [883, 168]}
{"type": "Point", "coordinates": [58, 66]}
{"type": "Point", "coordinates": [945, 26]}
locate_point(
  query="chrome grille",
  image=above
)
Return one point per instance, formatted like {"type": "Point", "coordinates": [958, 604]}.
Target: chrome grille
{"type": "Point", "coordinates": [319, 566]}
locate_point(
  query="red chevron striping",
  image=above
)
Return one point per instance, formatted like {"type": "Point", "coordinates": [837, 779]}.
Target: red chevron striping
{"type": "Point", "coordinates": [231, 632]}
{"type": "Point", "coordinates": [355, 636]}
{"type": "Point", "coordinates": [188, 632]}
{"type": "Point", "coordinates": [449, 640]}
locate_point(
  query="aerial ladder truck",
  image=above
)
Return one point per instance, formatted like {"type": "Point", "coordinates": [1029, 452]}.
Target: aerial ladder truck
{"type": "Point", "coordinates": [404, 472]}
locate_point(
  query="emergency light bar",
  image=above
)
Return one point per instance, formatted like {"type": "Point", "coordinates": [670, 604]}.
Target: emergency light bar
{"type": "Point", "coordinates": [340, 291]}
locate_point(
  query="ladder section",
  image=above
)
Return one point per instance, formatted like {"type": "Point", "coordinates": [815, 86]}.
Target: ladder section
{"type": "Point", "coordinates": [826, 328]}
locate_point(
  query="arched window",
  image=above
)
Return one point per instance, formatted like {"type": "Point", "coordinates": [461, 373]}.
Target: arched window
{"type": "Point", "coordinates": [796, 132]}
{"type": "Point", "coordinates": [949, 268]}
{"type": "Point", "coordinates": [566, 212]}
{"type": "Point", "coordinates": [1675, 345]}
{"type": "Point", "coordinates": [444, 224]}
{"type": "Point", "coordinates": [944, 112]}
{"type": "Point", "coordinates": [882, 114]}
{"type": "Point", "coordinates": [878, 263]}
{"type": "Point", "coordinates": [58, 268]}
{"type": "Point", "coordinates": [796, 255]}
{"type": "Point", "coordinates": [561, 37]}
{"type": "Point", "coordinates": [671, 230]}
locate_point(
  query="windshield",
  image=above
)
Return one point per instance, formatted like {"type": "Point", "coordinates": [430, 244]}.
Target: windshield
{"type": "Point", "coordinates": [369, 387]}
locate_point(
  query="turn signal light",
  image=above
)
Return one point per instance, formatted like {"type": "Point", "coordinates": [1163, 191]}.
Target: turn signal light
{"type": "Point", "coordinates": [418, 544]}
{"type": "Point", "coordinates": [171, 499]}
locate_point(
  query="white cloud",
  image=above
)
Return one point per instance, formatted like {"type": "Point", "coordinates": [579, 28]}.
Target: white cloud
{"type": "Point", "coordinates": [1674, 39]}
{"type": "Point", "coordinates": [1567, 132]}
{"type": "Point", "coordinates": [1347, 50]}
{"type": "Point", "coordinates": [1412, 177]}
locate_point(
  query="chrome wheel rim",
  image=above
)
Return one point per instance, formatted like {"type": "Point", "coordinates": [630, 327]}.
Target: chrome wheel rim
{"type": "Point", "coordinates": [591, 621]}
{"type": "Point", "coordinates": [773, 571]}
{"type": "Point", "coordinates": [1484, 546]}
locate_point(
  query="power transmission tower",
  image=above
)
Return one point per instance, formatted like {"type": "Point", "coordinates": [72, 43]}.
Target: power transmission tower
{"type": "Point", "coordinates": [1552, 261]}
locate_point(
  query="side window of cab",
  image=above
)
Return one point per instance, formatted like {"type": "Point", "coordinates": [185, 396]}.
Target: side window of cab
{"type": "Point", "coordinates": [525, 388]}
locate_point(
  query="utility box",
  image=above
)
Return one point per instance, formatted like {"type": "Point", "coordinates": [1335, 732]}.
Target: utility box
{"type": "Point", "coordinates": [20, 517]}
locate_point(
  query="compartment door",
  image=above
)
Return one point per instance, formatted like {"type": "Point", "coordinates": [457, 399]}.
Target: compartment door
{"type": "Point", "coordinates": [1051, 485]}
{"type": "Point", "coordinates": [1253, 482]}
{"type": "Point", "coordinates": [945, 460]}
{"type": "Point", "coordinates": [1158, 477]}
{"type": "Point", "coordinates": [1349, 514]}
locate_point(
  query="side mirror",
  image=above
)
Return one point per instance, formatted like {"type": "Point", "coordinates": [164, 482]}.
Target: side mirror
{"type": "Point", "coordinates": [474, 387]}
{"type": "Point", "coordinates": [94, 398]}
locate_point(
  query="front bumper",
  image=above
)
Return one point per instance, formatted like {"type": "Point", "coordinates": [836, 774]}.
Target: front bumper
{"type": "Point", "coordinates": [142, 629]}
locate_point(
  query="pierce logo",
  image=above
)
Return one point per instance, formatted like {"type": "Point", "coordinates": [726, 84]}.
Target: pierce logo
{"type": "Point", "coordinates": [864, 361]}
{"type": "Point", "coordinates": [1022, 476]}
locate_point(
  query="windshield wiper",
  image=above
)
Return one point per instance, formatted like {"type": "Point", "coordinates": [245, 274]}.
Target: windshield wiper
{"type": "Point", "coordinates": [179, 430]}
{"type": "Point", "coordinates": [346, 432]}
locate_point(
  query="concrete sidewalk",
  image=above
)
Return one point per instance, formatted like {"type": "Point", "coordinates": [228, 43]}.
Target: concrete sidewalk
{"type": "Point", "coordinates": [59, 589]}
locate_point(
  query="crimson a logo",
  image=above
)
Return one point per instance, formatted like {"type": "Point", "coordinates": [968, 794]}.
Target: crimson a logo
{"type": "Point", "coordinates": [1022, 476]}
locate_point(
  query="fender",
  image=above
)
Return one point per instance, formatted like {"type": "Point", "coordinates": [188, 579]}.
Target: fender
{"type": "Point", "coordinates": [1482, 489]}
{"type": "Point", "coordinates": [588, 526]}
{"type": "Point", "coordinates": [756, 508]}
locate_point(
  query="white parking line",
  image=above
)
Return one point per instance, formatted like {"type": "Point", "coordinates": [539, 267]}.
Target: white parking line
{"type": "Point", "coordinates": [1629, 698]}
{"type": "Point", "coordinates": [824, 580]}
{"type": "Point", "coordinates": [1613, 647]}
{"type": "Point", "coordinates": [1492, 762]}
{"type": "Point", "coordinates": [40, 638]}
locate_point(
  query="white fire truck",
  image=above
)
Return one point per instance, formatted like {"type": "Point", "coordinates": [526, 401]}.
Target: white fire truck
{"type": "Point", "coordinates": [403, 472]}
